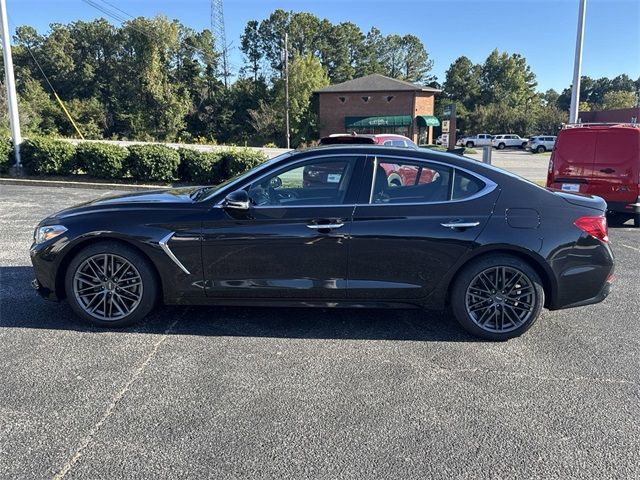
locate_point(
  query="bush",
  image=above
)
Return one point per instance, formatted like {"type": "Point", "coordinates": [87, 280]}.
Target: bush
{"type": "Point", "coordinates": [199, 167]}
{"type": "Point", "coordinates": [101, 160]}
{"type": "Point", "coordinates": [46, 156]}
{"type": "Point", "coordinates": [153, 162]}
{"type": "Point", "coordinates": [237, 161]}
{"type": "Point", "coordinates": [6, 154]}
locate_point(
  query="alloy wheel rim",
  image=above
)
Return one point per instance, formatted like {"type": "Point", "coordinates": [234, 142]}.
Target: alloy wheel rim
{"type": "Point", "coordinates": [500, 299]}
{"type": "Point", "coordinates": [107, 286]}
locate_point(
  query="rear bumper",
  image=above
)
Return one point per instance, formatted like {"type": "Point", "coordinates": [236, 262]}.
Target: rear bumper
{"type": "Point", "coordinates": [604, 293]}
{"type": "Point", "coordinates": [623, 207]}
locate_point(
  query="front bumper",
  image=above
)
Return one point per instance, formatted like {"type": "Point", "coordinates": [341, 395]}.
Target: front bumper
{"type": "Point", "coordinates": [43, 291]}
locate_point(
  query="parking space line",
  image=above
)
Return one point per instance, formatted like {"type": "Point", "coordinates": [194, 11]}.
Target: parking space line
{"type": "Point", "coordinates": [629, 246]}
{"type": "Point", "coordinates": [112, 405]}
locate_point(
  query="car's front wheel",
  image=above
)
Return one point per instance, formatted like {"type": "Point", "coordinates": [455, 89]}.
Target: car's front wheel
{"type": "Point", "coordinates": [497, 297]}
{"type": "Point", "coordinates": [111, 285]}
{"type": "Point", "coordinates": [469, 145]}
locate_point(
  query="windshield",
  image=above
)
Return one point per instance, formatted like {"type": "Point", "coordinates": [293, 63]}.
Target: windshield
{"type": "Point", "coordinates": [213, 189]}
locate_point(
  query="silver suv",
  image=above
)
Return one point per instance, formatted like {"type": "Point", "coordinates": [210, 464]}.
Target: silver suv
{"type": "Point", "coordinates": [509, 140]}
{"type": "Point", "coordinates": [541, 143]}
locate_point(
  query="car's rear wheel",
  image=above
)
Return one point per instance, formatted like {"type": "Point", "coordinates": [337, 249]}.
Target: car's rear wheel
{"type": "Point", "coordinates": [111, 285]}
{"type": "Point", "coordinates": [497, 297]}
{"type": "Point", "coordinates": [501, 146]}
{"type": "Point", "coordinates": [541, 149]}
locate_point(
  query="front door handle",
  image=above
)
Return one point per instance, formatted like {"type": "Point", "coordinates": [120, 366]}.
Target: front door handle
{"type": "Point", "coordinates": [607, 170]}
{"type": "Point", "coordinates": [454, 225]}
{"type": "Point", "coordinates": [325, 226]}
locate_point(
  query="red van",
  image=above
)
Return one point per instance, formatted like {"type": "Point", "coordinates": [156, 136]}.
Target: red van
{"type": "Point", "coordinates": [600, 159]}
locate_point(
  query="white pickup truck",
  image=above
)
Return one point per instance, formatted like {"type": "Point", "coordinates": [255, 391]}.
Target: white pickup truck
{"type": "Point", "coordinates": [480, 140]}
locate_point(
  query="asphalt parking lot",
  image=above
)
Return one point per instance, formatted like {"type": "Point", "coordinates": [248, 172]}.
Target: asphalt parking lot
{"type": "Point", "coordinates": [529, 165]}
{"type": "Point", "coordinates": [296, 393]}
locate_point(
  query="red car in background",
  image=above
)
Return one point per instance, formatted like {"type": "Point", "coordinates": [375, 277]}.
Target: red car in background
{"type": "Point", "coordinates": [397, 175]}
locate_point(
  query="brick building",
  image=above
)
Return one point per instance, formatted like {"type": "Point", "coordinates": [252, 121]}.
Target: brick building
{"type": "Point", "coordinates": [378, 104]}
{"type": "Point", "coordinates": [623, 115]}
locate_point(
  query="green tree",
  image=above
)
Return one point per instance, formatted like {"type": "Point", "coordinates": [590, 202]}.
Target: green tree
{"type": "Point", "coordinates": [617, 99]}
{"type": "Point", "coordinates": [462, 82]}
{"type": "Point", "coordinates": [306, 74]}
{"type": "Point", "coordinates": [507, 79]}
{"type": "Point", "coordinates": [250, 46]}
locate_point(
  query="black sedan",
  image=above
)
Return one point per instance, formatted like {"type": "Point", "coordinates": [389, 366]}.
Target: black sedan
{"type": "Point", "coordinates": [453, 232]}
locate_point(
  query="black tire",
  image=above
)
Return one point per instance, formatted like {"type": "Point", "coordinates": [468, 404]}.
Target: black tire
{"type": "Point", "coordinates": [142, 269]}
{"type": "Point", "coordinates": [531, 294]}
{"type": "Point", "coordinates": [469, 145]}
{"type": "Point", "coordinates": [523, 146]}
{"type": "Point", "coordinates": [501, 146]}
{"type": "Point", "coordinates": [541, 149]}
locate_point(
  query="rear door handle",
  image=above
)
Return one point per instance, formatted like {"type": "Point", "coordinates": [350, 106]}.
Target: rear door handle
{"type": "Point", "coordinates": [454, 225]}
{"type": "Point", "coordinates": [325, 226]}
{"type": "Point", "coordinates": [607, 170]}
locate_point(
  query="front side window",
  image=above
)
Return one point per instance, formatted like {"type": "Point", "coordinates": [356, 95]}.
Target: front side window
{"type": "Point", "coordinates": [318, 182]}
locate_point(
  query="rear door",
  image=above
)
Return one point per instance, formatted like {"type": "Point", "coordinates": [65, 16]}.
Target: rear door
{"type": "Point", "coordinates": [614, 174]}
{"type": "Point", "coordinates": [405, 238]}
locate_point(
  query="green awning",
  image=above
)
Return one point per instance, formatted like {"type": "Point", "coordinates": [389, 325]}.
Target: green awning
{"type": "Point", "coordinates": [388, 121]}
{"type": "Point", "coordinates": [427, 121]}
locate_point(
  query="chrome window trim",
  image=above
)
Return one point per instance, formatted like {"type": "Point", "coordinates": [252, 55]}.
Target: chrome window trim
{"type": "Point", "coordinates": [163, 245]}
{"type": "Point", "coordinates": [490, 185]}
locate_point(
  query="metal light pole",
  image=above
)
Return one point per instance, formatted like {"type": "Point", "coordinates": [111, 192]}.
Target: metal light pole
{"type": "Point", "coordinates": [577, 65]}
{"type": "Point", "coordinates": [286, 88]}
{"type": "Point", "coordinates": [11, 83]}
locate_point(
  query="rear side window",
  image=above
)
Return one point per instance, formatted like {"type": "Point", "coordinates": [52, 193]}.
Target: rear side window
{"type": "Point", "coordinates": [412, 181]}
{"type": "Point", "coordinates": [400, 181]}
{"type": "Point", "coordinates": [465, 185]}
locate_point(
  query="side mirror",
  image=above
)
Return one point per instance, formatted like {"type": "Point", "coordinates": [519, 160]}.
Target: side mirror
{"type": "Point", "coordinates": [238, 200]}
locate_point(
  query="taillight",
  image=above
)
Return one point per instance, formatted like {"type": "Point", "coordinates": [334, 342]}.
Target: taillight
{"type": "Point", "coordinates": [550, 172]}
{"type": "Point", "coordinates": [594, 226]}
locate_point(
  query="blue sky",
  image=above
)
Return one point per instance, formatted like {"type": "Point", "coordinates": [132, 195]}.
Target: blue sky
{"type": "Point", "coordinates": [543, 31]}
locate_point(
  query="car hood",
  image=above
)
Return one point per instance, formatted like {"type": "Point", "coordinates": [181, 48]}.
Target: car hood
{"type": "Point", "coordinates": [133, 200]}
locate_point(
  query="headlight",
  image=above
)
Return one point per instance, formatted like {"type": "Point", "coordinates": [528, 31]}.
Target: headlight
{"type": "Point", "coordinates": [43, 234]}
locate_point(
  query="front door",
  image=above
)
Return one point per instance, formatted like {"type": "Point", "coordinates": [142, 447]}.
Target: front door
{"type": "Point", "coordinates": [406, 237]}
{"type": "Point", "coordinates": [291, 243]}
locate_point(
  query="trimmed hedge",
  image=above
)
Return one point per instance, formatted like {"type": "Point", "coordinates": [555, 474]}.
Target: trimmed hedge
{"type": "Point", "coordinates": [6, 154]}
{"type": "Point", "coordinates": [238, 160]}
{"type": "Point", "coordinates": [101, 160]}
{"type": "Point", "coordinates": [200, 167]}
{"type": "Point", "coordinates": [47, 156]}
{"type": "Point", "coordinates": [153, 162]}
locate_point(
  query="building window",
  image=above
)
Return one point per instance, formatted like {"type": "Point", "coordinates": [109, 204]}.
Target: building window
{"type": "Point", "coordinates": [366, 99]}
{"type": "Point", "coordinates": [342, 99]}
{"type": "Point", "coordinates": [389, 98]}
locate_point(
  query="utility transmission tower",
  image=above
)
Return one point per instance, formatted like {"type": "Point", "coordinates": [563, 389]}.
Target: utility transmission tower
{"type": "Point", "coordinates": [220, 39]}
